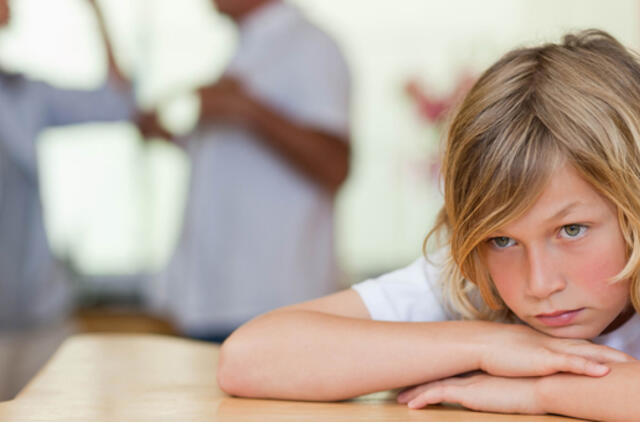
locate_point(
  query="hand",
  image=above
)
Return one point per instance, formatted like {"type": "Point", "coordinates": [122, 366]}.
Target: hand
{"type": "Point", "coordinates": [226, 100]}
{"type": "Point", "coordinates": [520, 351]}
{"type": "Point", "coordinates": [481, 392]}
{"type": "Point", "coordinates": [149, 126]}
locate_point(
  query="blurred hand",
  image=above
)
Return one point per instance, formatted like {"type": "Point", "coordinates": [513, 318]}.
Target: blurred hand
{"type": "Point", "coordinates": [149, 126]}
{"type": "Point", "coordinates": [520, 351]}
{"type": "Point", "coordinates": [226, 100]}
{"type": "Point", "coordinates": [480, 392]}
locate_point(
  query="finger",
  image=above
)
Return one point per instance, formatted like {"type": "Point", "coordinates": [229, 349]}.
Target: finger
{"type": "Point", "coordinates": [434, 395]}
{"type": "Point", "coordinates": [588, 349]}
{"type": "Point", "coordinates": [579, 365]}
{"type": "Point", "coordinates": [411, 393]}
{"type": "Point", "coordinates": [602, 354]}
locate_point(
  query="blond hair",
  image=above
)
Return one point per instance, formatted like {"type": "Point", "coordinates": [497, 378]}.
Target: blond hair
{"type": "Point", "coordinates": [578, 102]}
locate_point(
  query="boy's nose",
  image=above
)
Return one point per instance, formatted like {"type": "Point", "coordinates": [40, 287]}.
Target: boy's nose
{"type": "Point", "coordinates": [544, 275]}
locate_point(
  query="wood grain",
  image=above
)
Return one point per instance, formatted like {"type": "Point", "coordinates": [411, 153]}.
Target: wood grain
{"type": "Point", "coordinates": [126, 377]}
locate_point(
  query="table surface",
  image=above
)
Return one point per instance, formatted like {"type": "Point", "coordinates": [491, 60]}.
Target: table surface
{"type": "Point", "coordinates": [113, 377]}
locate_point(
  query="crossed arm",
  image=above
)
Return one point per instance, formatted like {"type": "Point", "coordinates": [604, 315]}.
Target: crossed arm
{"type": "Point", "coordinates": [329, 349]}
{"type": "Point", "coordinates": [613, 397]}
{"type": "Point", "coordinates": [321, 156]}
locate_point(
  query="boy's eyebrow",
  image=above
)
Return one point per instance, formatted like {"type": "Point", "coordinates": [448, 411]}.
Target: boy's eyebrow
{"type": "Point", "coordinates": [564, 211]}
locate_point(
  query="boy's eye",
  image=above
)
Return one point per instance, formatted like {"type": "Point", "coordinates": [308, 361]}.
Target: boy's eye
{"type": "Point", "coordinates": [502, 242]}
{"type": "Point", "coordinates": [573, 230]}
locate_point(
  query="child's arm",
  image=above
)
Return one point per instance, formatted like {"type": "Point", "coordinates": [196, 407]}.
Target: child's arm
{"type": "Point", "coordinates": [613, 397]}
{"type": "Point", "coordinates": [330, 349]}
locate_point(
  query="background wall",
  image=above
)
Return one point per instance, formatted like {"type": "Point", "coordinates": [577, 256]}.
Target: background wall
{"type": "Point", "coordinates": [113, 203]}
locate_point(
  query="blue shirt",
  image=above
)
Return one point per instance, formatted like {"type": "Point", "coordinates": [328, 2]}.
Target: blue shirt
{"type": "Point", "coordinates": [33, 287]}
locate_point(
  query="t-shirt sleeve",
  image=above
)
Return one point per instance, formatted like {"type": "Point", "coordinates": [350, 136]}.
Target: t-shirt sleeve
{"type": "Point", "coordinates": [410, 294]}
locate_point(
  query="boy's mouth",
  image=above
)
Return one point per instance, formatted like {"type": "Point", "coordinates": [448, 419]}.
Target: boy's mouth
{"type": "Point", "coordinates": [558, 318]}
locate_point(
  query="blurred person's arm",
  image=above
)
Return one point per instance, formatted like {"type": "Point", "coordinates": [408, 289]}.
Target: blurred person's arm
{"type": "Point", "coordinates": [318, 154]}
{"type": "Point", "coordinates": [112, 101]}
{"type": "Point", "coordinates": [114, 70]}
{"type": "Point", "coordinates": [72, 106]}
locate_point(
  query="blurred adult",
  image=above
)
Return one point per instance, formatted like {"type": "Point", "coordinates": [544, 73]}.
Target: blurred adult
{"type": "Point", "coordinates": [35, 292]}
{"type": "Point", "coordinates": [270, 151]}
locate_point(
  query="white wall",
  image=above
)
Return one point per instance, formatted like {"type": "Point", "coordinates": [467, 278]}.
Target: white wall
{"type": "Point", "coordinates": [113, 204]}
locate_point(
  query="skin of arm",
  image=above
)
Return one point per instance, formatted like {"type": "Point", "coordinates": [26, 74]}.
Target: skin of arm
{"type": "Point", "coordinates": [321, 156]}
{"type": "Point", "coordinates": [330, 349]}
{"type": "Point", "coordinates": [614, 397]}
{"type": "Point", "coordinates": [113, 101]}
{"type": "Point", "coordinates": [114, 69]}
{"type": "Point", "coordinates": [147, 122]}
{"type": "Point", "coordinates": [314, 351]}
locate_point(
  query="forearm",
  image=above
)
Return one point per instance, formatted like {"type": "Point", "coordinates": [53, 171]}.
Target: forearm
{"type": "Point", "coordinates": [614, 397]}
{"type": "Point", "coordinates": [322, 157]}
{"type": "Point", "coordinates": [114, 69]}
{"type": "Point", "coordinates": [308, 355]}
{"type": "Point", "coordinates": [106, 103]}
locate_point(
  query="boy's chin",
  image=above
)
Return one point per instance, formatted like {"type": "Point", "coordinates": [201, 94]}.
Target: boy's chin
{"type": "Point", "coordinates": [571, 331]}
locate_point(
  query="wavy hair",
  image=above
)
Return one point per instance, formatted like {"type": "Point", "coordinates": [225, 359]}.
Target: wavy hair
{"type": "Point", "coordinates": [577, 101]}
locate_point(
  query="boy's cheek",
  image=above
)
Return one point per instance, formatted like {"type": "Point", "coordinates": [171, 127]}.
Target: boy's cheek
{"type": "Point", "coordinates": [507, 281]}
{"type": "Point", "coordinates": [593, 271]}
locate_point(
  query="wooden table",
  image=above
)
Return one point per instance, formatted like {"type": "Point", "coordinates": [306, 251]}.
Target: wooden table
{"type": "Point", "coordinates": [127, 377]}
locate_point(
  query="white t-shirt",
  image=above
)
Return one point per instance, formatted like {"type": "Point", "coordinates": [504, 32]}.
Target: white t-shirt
{"type": "Point", "coordinates": [412, 294]}
{"type": "Point", "coordinates": [256, 233]}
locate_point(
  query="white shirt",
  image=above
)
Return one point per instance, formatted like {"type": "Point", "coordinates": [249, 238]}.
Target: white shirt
{"type": "Point", "coordinates": [412, 294]}
{"type": "Point", "coordinates": [257, 234]}
{"type": "Point", "coordinates": [33, 287]}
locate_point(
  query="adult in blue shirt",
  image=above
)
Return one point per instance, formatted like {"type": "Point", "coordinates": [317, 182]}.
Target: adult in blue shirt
{"type": "Point", "coordinates": [34, 289]}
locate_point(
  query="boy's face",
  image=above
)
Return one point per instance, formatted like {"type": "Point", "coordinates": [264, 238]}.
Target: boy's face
{"type": "Point", "coordinates": [551, 265]}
